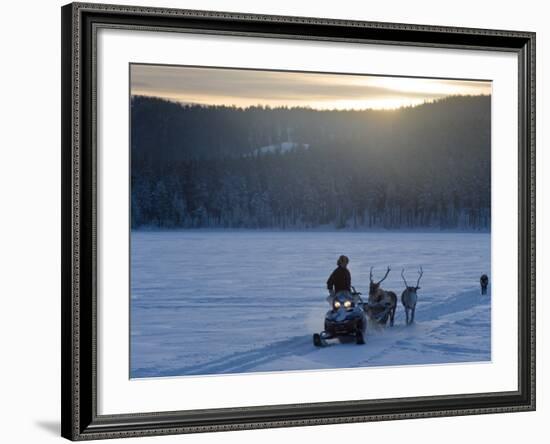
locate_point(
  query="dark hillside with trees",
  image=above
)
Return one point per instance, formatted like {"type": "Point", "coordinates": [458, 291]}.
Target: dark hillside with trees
{"type": "Point", "coordinates": [425, 167]}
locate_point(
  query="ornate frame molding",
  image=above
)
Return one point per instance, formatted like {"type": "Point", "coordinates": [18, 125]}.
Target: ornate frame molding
{"type": "Point", "coordinates": [80, 22]}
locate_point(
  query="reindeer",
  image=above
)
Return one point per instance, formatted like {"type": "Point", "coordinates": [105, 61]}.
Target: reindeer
{"type": "Point", "coordinates": [484, 282]}
{"type": "Point", "coordinates": [409, 296]}
{"type": "Point", "coordinates": [381, 303]}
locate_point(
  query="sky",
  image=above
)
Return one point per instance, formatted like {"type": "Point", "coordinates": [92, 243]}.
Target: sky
{"type": "Point", "coordinates": [244, 88]}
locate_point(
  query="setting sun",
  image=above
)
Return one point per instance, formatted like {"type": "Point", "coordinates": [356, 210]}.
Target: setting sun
{"type": "Point", "coordinates": [244, 88]}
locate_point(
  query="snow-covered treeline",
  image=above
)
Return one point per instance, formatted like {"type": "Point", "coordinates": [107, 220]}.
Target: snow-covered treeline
{"type": "Point", "coordinates": [221, 167]}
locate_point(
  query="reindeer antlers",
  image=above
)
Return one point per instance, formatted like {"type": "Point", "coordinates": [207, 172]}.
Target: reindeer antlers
{"type": "Point", "coordinates": [420, 273]}
{"type": "Point", "coordinates": [403, 276]}
{"type": "Point", "coordinates": [385, 276]}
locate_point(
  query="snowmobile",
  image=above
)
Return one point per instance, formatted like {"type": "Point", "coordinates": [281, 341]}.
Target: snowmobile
{"type": "Point", "coordinates": [345, 320]}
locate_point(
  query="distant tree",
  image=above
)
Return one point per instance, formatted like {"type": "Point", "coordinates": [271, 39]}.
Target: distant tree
{"type": "Point", "coordinates": [213, 166]}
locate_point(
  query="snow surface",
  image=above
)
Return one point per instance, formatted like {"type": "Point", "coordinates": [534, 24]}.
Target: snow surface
{"type": "Point", "coordinates": [212, 302]}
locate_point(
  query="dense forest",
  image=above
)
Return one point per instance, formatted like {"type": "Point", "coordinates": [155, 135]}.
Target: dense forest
{"type": "Point", "coordinates": [426, 167]}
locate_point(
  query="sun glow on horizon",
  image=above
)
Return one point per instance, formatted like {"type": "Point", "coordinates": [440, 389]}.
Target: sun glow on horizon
{"type": "Point", "coordinates": [245, 88]}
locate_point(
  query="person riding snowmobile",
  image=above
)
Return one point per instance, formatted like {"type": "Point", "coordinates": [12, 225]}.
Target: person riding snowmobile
{"type": "Point", "coordinates": [340, 279]}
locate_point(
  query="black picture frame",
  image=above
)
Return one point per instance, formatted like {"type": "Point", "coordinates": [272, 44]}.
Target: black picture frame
{"type": "Point", "coordinates": [80, 420]}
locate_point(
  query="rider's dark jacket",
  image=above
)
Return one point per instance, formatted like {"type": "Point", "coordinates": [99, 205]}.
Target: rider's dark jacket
{"type": "Point", "coordinates": [339, 280]}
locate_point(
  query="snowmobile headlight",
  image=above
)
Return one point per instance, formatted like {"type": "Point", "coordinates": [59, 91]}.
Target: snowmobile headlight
{"type": "Point", "coordinates": [337, 304]}
{"type": "Point", "coordinates": [347, 304]}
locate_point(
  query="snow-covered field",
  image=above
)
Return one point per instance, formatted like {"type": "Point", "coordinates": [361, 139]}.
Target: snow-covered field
{"type": "Point", "coordinates": [211, 302]}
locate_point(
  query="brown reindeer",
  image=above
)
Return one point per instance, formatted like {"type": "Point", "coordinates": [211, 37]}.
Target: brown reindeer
{"type": "Point", "coordinates": [409, 296]}
{"type": "Point", "coordinates": [381, 303]}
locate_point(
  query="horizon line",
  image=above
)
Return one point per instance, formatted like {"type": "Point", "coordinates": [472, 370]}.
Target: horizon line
{"type": "Point", "coordinates": [303, 107]}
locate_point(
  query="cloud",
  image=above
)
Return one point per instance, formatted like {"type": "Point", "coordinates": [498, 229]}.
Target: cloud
{"type": "Point", "coordinates": [244, 87]}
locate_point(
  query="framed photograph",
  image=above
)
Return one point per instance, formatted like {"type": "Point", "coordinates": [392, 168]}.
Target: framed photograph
{"type": "Point", "coordinates": [278, 221]}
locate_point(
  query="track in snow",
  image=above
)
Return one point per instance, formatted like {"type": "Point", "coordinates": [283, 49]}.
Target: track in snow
{"type": "Point", "coordinates": [207, 302]}
{"type": "Point", "coordinates": [457, 330]}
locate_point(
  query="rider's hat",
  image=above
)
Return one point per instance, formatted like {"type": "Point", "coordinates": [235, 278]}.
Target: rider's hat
{"type": "Point", "coordinates": [342, 260]}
